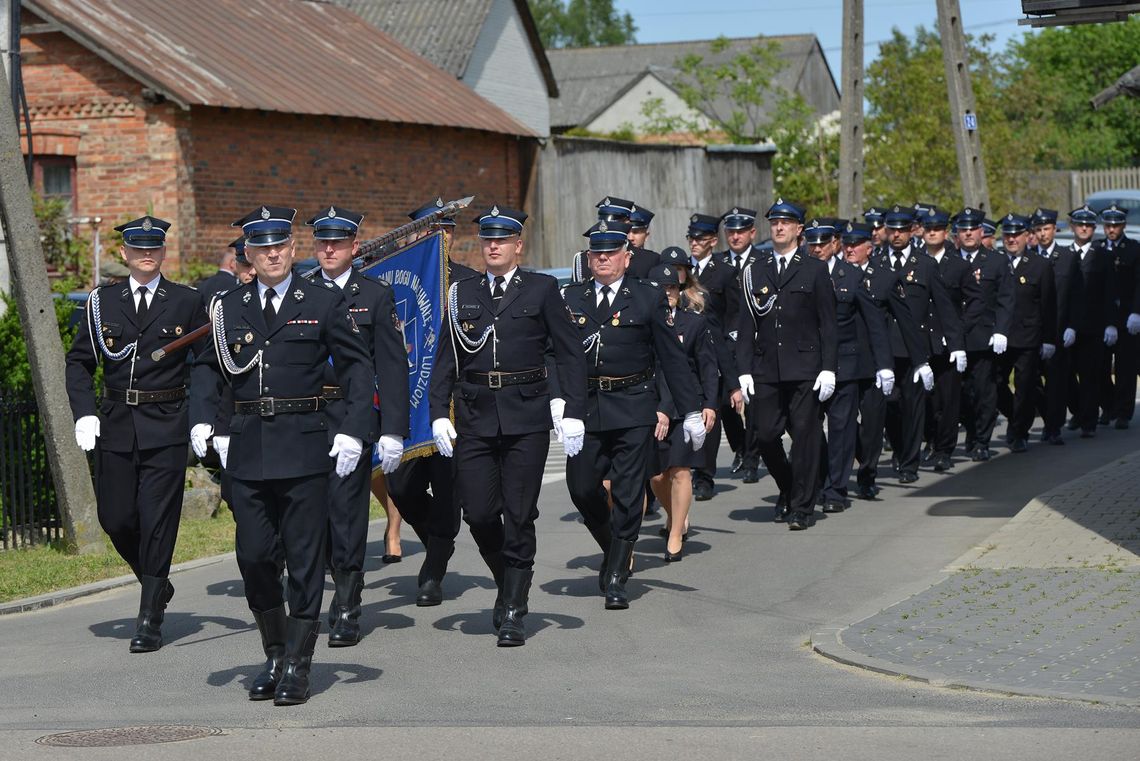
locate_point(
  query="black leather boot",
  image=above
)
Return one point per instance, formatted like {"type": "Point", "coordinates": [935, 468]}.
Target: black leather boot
{"type": "Point", "coordinates": [152, 603]}
{"type": "Point", "coordinates": [516, 587]}
{"type": "Point", "coordinates": [604, 539]}
{"type": "Point", "coordinates": [494, 561]}
{"type": "Point", "coordinates": [438, 552]}
{"type": "Point", "coordinates": [300, 640]}
{"type": "Point", "coordinates": [346, 629]}
{"type": "Point", "coordinates": [334, 604]}
{"type": "Point", "coordinates": [617, 573]}
{"type": "Point", "coordinates": [271, 626]}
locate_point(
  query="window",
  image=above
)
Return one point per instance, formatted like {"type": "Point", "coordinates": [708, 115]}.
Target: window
{"type": "Point", "coordinates": [54, 177]}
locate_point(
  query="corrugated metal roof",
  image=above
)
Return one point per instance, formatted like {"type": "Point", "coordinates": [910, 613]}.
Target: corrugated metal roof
{"type": "Point", "coordinates": [590, 79]}
{"type": "Point", "coordinates": [445, 31]}
{"type": "Point", "coordinates": [290, 56]}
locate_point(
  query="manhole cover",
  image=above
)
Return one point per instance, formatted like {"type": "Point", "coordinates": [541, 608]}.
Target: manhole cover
{"type": "Point", "coordinates": [105, 738]}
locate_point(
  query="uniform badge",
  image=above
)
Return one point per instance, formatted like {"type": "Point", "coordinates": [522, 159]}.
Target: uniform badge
{"type": "Point", "coordinates": [669, 321]}
{"type": "Point", "coordinates": [249, 337]}
{"type": "Point", "coordinates": [616, 318]}
{"type": "Point", "coordinates": [978, 275]}
{"type": "Point", "coordinates": [352, 324]}
{"type": "Point", "coordinates": [177, 330]}
{"type": "Point", "coordinates": [264, 213]}
{"type": "Point", "coordinates": [332, 212]}
{"type": "Point", "coordinates": [439, 202]}
{"type": "Point", "coordinates": [245, 299]}
{"type": "Point", "coordinates": [1021, 280]}
{"type": "Point", "coordinates": [329, 283]}
{"type": "Point", "coordinates": [110, 342]}
{"type": "Point", "coordinates": [602, 228]}
{"type": "Point", "coordinates": [910, 276]}
{"type": "Point", "coordinates": [146, 225]}
{"type": "Point", "coordinates": [298, 295]}
{"type": "Point", "coordinates": [237, 348]}
{"type": "Point", "coordinates": [581, 320]}
{"type": "Point", "coordinates": [764, 290]}
{"type": "Point", "coordinates": [354, 288]}
{"type": "Point", "coordinates": [468, 327]}
{"type": "Point", "coordinates": [495, 211]}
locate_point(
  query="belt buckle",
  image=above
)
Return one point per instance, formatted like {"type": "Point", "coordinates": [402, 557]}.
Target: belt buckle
{"type": "Point", "coordinates": [495, 379]}
{"type": "Point", "coordinates": [605, 384]}
{"type": "Point", "coordinates": [132, 399]}
{"type": "Point", "coordinates": [266, 407]}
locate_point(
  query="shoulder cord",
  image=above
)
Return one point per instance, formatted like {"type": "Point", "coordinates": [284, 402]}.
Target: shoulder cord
{"type": "Point", "coordinates": [469, 345]}
{"type": "Point", "coordinates": [95, 327]}
{"type": "Point", "coordinates": [576, 268]}
{"type": "Point", "coordinates": [755, 308]}
{"type": "Point", "coordinates": [217, 319]}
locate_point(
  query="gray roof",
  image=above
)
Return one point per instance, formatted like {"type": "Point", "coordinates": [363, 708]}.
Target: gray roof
{"type": "Point", "coordinates": [590, 79]}
{"type": "Point", "coordinates": [444, 31]}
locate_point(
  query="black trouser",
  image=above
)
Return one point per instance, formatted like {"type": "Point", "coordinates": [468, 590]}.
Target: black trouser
{"type": "Point", "coordinates": [737, 433]}
{"type": "Point", "coordinates": [945, 404]}
{"type": "Point", "coordinates": [709, 450]}
{"type": "Point", "coordinates": [501, 477]}
{"type": "Point", "coordinates": [842, 412]}
{"type": "Point", "coordinates": [792, 406]}
{"type": "Point", "coordinates": [1058, 373]}
{"type": "Point", "coordinates": [906, 416]}
{"type": "Point", "coordinates": [623, 455]}
{"type": "Point", "coordinates": [140, 504]}
{"type": "Point", "coordinates": [980, 395]}
{"type": "Point", "coordinates": [348, 515]}
{"type": "Point", "coordinates": [1023, 363]}
{"type": "Point", "coordinates": [1118, 378]}
{"type": "Point", "coordinates": [435, 514]}
{"type": "Point", "coordinates": [296, 511]}
{"type": "Point", "coordinates": [1087, 359]}
{"type": "Point", "coordinates": [869, 445]}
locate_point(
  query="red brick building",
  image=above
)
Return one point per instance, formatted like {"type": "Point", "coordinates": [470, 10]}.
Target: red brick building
{"type": "Point", "coordinates": [198, 111]}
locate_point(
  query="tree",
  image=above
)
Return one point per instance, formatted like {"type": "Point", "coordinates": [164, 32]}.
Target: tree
{"type": "Point", "coordinates": [581, 23]}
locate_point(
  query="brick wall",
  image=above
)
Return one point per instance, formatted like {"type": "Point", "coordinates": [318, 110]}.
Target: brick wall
{"type": "Point", "coordinates": [205, 167]}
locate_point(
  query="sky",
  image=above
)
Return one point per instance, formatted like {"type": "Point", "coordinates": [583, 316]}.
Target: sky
{"type": "Point", "coordinates": [677, 20]}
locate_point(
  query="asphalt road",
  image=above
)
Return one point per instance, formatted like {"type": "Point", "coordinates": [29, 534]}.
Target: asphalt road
{"type": "Point", "coordinates": [711, 658]}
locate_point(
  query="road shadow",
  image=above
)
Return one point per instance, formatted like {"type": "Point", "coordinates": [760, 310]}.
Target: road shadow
{"type": "Point", "coordinates": [322, 676]}
{"type": "Point", "coordinates": [175, 626]}
{"type": "Point", "coordinates": [479, 623]}
{"type": "Point", "coordinates": [228, 588]}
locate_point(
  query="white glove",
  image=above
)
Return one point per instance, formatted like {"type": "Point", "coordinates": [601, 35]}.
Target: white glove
{"type": "Point", "coordinates": [86, 431]}
{"type": "Point", "coordinates": [198, 436]}
{"type": "Point", "coordinates": [573, 435]}
{"type": "Point", "coordinates": [959, 360]}
{"type": "Point", "coordinates": [885, 381]}
{"type": "Point", "coordinates": [747, 387]}
{"type": "Point", "coordinates": [391, 450]}
{"type": "Point", "coordinates": [1048, 350]}
{"type": "Point", "coordinates": [999, 342]}
{"type": "Point", "coordinates": [824, 384]}
{"type": "Point", "coordinates": [926, 375]}
{"type": "Point", "coordinates": [222, 447]}
{"type": "Point", "coordinates": [346, 449]}
{"type": "Point", "coordinates": [1069, 337]}
{"type": "Point", "coordinates": [557, 407]}
{"type": "Point", "coordinates": [444, 433]}
{"type": "Point", "coordinates": [1133, 324]}
{"type": "Point", "coordinates": [694, 429]}
{"type": "Point", "coordinates": [1110, 336]}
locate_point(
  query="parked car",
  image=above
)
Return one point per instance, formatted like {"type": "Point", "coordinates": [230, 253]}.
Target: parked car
{"type": "Point", "coordinates": [1127, 199]}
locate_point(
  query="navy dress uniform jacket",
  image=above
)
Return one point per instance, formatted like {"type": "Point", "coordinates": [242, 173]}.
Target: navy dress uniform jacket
{"type": "Point", "coordinates": [722, 281]}
{"type": "Point", "coordinates": [631, 337]}
{"type": "Point", "coordinates": [929, 304]}
{"type": "Point", "coordinates": [860, 325]}
{"type": "Point", "coordinates": [1125, 258]}
{"type": "Point", "coordinates": [991, 271]}
{"type": "Point", "coordinates": [174, 311]}
{"type": "Point", "coordinates": [220, 282]}
{"type": "Point", "coordinates": [1090, 287]}
{"type": "Point", "coordinates": [796, 339]}
{"type": "Point", "coordinates": [1034, 304]}
{"type": "Point", "coordinates": [886, 290]}
{"type": "Point", "coordinates": [692, 329]}
{"type": "Point", "coordinates": [964, 291]}
{"type": "Point", "coordinates": [373, 309]}
{"type": "Point", "coordinates": [311, 325]}
{"type": "Point", "coordinates": [529, 323]}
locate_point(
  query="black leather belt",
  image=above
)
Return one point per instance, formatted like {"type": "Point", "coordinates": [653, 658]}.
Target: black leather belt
{"type": "Point", "coordinates": [331, 392]}
{"type": "Point", "coordinates": [134, 397]}
{"type": "Point", "coordinates": [498, 380]}
{"type": "Point", "coordinates": [269, 405]}
{"type": "Point", "coordinates": [614, 383]}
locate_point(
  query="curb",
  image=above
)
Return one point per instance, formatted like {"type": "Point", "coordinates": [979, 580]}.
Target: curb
{"type": "Point", "coordinates": [60, 596]}
{"type": "Point", "coordinates": [828, 642]}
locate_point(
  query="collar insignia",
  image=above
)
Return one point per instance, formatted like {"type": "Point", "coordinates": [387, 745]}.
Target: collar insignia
{"type": "Point", "coordinates": [245, 299]}
{"type": "Point", "coordinates": [298, 295]}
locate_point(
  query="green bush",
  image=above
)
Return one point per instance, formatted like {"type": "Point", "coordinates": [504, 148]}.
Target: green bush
{"type": "Point", "coordinates": [15, 372]}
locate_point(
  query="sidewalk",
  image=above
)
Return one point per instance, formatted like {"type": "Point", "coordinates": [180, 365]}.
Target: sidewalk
{"type": "Point", "coordinates": [1049, 605]}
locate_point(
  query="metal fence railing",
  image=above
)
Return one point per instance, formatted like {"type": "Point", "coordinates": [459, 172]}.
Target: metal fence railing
{"type": "Point", "coordinates": [29, 513]}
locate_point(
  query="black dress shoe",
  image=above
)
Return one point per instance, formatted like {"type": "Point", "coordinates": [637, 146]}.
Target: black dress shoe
{"type": "Point", "coordinates": [942, 463]}
{"type": "Point", "coordinates": [1103, 419]}
{"type": "Point", "coordinates": [981, 454]}
{"type": "Point", "coordinates": [391, 558]}
{"type": "Point", "coordinates": [751, 476]}
{"type": "Point", "coordinates": [864, 492]}
{"type": "Point", "coordinates": [737, 463]}
{"type": "Point", "coordinates": [831, 506]}
{"type": "Point", "coordinates": [908, 478]}
{"type": "Point", "coordinates": [1057, 441]}
{"type": "Point", "coordinates": [971, 446]}
{"type": "Point", "coordinates": [927, 454]}
{"type": "Point", "coordinates": [1019, 446]}
{"type": "Point", "coordinates": [702, 491]}
{"type": "Point", "coordinates": [1090, 434]}
{"type": "Point", "coordinates": [430, 594]}
{"type": "Point", "coordinates": [1121, 424]}
{"type": "Point", "coordinates": [1074, 424]}
{"type": "Point", "coordinates": [799, 522]}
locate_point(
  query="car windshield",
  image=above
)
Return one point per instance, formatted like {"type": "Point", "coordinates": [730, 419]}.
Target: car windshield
{"type": "Point", "coordinates": [1129, 205]}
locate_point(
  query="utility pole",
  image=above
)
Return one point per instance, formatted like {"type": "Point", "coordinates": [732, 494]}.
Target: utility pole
{"type": "Point", "coordinates": [5, 40]}
{"type": "Point", "coordinates": [963, 109]}
{"type": "Point", "coordinates": [851, 113]}
{"type": "Point", "coordinates": [45, 350]}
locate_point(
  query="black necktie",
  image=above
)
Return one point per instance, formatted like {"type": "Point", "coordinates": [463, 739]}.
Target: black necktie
{"type": "Point", "coordinates": [739, 258]}
{"type": "Point", "coordinates": [604, 306]}
{"type": "Point", "coordinates": [140, 308]}
{"type": "Point", "coordinates": [781, 265]}
{"type": "Point", "coordinates": [497, 288]}
{"type": "Point", "coordinates": [269, 312]}
{"type": "Point", "coordinates": [898, 262]}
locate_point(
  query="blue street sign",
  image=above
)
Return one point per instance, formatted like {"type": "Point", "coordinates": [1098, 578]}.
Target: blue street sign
{"type": "Point", "coordinates": [970, 121]}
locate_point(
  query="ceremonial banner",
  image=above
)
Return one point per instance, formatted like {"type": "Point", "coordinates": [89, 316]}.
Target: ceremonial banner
{"type": "Point", "coordinates": [418, 276]}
